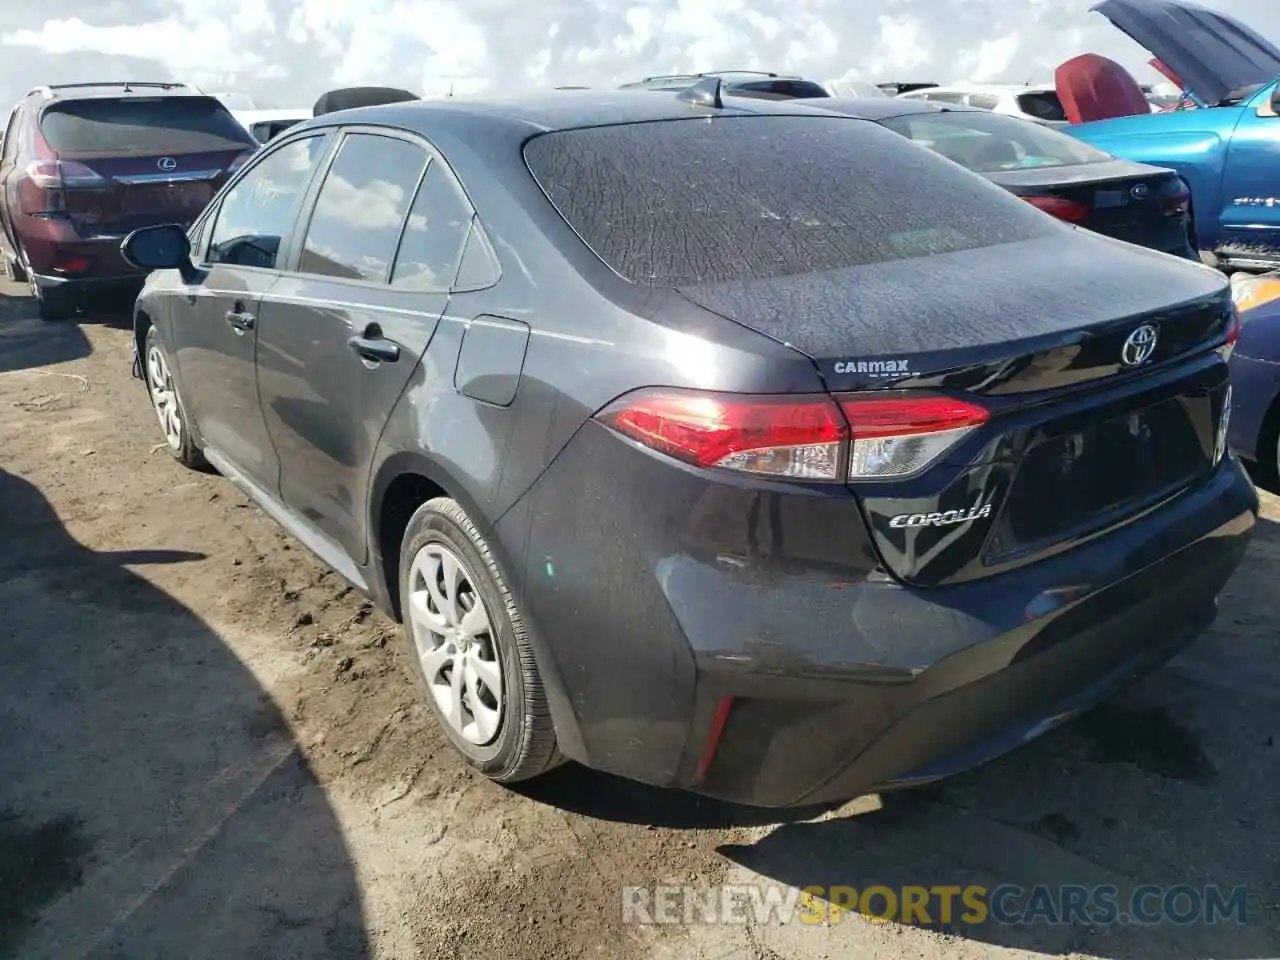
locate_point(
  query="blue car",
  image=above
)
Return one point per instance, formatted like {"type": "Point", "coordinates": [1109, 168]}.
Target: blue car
{"type": "Point", "coordinates": [1227, 149]}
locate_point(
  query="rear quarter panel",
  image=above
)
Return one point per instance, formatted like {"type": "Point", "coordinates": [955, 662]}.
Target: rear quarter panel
{"type": "Point", "coordinates": [1195, 143]}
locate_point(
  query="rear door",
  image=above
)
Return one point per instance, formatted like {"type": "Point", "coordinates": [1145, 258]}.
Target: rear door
{"type": "Point", "coordinates": [132, 161]}
{"type": "Point", "coordinates": [215, 335]}
{"type": "Point", "coordinates": [342, 332]}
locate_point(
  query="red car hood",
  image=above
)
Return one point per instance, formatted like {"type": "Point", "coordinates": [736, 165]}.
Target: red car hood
{"type": "Point", "coordinates": [1092, 87]}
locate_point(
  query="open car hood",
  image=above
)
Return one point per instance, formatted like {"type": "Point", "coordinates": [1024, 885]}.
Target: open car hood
{"type": "Point", "coordinates": [1212, 53]}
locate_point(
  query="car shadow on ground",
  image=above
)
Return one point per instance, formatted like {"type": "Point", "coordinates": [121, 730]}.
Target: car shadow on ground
{"type": "Point", "coordinates": [153, 802]}
{"type": "Point", "coordinates": [27, 342]}
{"type": "Point", "coordinates": [1173, 782]}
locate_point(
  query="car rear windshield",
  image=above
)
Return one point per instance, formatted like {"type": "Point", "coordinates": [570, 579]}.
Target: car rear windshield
{"type": "Point", "coordinates": [1044, 105]}
{"type": "Point", "coordinates": [989, 142]}
{"type": "Point", "coordinates": [141, 126]}
{"type": "Point", "coordinates": [735, 198]}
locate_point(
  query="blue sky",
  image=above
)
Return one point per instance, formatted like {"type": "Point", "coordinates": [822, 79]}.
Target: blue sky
{"type": "Point", "coordinates": [286, 52]}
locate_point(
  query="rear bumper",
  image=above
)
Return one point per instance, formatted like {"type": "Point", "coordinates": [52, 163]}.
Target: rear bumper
{"type": "Point", "coordinates": [839, 683]}
{"type": "Point", "coordinates": [61, 257]}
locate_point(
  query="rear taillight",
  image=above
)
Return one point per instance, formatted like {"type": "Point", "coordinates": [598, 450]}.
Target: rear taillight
{"type": "Point", "coordinates": [900, 435]}
{"type": "Point", "coordinates": [1176, 202]}
{"type": "Point", "coordinates": [1224, 427]}
{"type": "Point", "coordinates": [885, 436]}
{"type": "Point", "coordinates": [1059, 207]}
{"type": "Point", "coordinates": [803, 438]}
{"type": "Point", "coordinates": [60, 174]}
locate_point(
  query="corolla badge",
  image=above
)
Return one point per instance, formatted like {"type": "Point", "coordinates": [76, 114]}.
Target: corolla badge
{"type": "Point", "coordinates": [945, 518]}
{"type": "Point", "coordinates": [167, 163]}
{"type": "Point", "coordinates": [1139, 191]}
{"type": "Point", "coordinates": [1139, 345]}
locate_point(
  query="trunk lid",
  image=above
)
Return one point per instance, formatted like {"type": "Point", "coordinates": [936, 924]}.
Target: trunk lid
{"type": "Point", "coordinates": [1129, 201]}
{"type": "Point", "coordinates": [1078, 442]}
{"type": "Point", "coordinates": [1213, 54]}
{"type": "Point", "coordinates": [130, 162]}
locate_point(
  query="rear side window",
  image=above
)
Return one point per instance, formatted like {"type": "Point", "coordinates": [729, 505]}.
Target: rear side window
{"type": "Point", "coordinates": [433, 238]}
{"type": "Point", "coordinates": [781, 89]}
{"type": "Point", "coordinates": [1042, 106]}
{"type": "Point", "coordinates": [140, 127]}
{"type": "Point", "coordinates": [706, 201]}
{"type": "Point", "coordinates": [989, 143]}
{"type": "Point", "coordinates": [361, 208]}
{"type": "Point", "coordinates": [984, 101]}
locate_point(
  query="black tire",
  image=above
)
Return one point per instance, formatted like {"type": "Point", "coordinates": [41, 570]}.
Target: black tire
{"type": "Point", "coordinates": [186, 452]}
{"type": "Point", "coordinates": [55, 303]}
{"type": "Point", "coordinates": [525, 744]}
{"type": "Point", "coordinates": [17, 273]}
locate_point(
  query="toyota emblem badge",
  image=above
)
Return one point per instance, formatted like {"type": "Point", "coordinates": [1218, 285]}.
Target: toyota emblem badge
{"type": "Point", "coordinates": [167, 163]}
{"type": "Point", "coordinates": [1139, 345]}
{"type": "Point", "coordinates": [1139, 192]}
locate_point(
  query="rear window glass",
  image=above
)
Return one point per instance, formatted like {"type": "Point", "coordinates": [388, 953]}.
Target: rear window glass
{"type": "Point", "coordinates": [142, 126]}
{"type": "Point", "coordinates": [988, 142]}
{"type": "Point", "coordinates": [1042, 106]}
{"type": "Point", "coordinates": [706, 201]}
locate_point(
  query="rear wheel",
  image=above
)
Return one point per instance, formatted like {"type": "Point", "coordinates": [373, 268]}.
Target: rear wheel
{"type": "Point", "coordinates": [13, 266]}
{"type": "Point", "coordinates": [470, 647]}
{"type": "Point", "coordinates": [53, 303]}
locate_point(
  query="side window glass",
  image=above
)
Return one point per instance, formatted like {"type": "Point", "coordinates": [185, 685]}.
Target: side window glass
{"type": "Point", "coordinates": [438, 226]}
{"type": "Point", "coordinates": [257, 214]}
{"type": "Point", "coordinates": [479, 267]}
{"type": "Point", "coordinates": [361, 208]}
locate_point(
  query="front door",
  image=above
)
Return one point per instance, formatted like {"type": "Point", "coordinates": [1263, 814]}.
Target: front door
{"type": "Point", "coordinates": [216, 343]}
{"type": "Point", "coordinates": [1251, 204]}
{"type": "Point", "coordinates": [341, 334]}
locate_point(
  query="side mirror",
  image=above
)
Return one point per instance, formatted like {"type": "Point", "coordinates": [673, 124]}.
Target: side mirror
{"type": "Point", "coordinates": [163, 247]}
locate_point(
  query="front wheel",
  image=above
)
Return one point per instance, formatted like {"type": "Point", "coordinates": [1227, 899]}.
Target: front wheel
{"type": "Point", "coordinates": [166, 403]}
{"type": "Point", "coordinates": [470, 647]}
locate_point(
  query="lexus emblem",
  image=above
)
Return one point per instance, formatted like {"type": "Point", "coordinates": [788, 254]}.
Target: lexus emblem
{"type": "Point", "coordinates": [1139, 345]}
{"type": "Point", "coordinates": [167, 163]}
{"type": "Point", "coordinates": [1139, 192]}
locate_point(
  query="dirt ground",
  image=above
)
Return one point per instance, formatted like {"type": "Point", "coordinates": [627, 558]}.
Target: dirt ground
{"type": "Point", "coordinates": [210, 747]}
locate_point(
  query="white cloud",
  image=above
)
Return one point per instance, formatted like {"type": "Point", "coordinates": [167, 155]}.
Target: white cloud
{"type": "Point", "coordinates": [287, 52]}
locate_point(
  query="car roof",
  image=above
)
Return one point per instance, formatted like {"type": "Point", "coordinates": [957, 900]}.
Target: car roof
{"type": "Point", "coordinates": [546, 111]}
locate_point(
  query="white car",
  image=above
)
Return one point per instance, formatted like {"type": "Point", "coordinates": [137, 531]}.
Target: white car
{"type": "Point", "coordinates": [1038, 103]}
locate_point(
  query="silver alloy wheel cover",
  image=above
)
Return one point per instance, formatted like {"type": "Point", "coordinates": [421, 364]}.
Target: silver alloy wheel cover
{"type": "Point", "coordinates": [453, 637]}
{"type": "Point", "coordinates": [164, 398]}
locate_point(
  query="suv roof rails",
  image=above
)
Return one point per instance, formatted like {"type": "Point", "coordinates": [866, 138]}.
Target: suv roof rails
{"type": "Point", "coordinates": [48, 89]}
{"type": "Point", "coordinates": [701, 74]}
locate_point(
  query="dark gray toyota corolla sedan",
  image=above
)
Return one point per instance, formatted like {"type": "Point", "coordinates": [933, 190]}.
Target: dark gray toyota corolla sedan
{"type": "Point", "coordinates": [760, 453]}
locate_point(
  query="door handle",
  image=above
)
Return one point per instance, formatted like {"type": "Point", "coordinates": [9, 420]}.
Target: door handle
{"type": "Point", "coordinates": [240, 320]}
{"type": "Point", "coordinates": [377, 349]}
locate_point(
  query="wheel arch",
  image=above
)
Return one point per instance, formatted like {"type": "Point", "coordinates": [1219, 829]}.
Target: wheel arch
{"type": "Point", "coordinates": [401, 484]}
